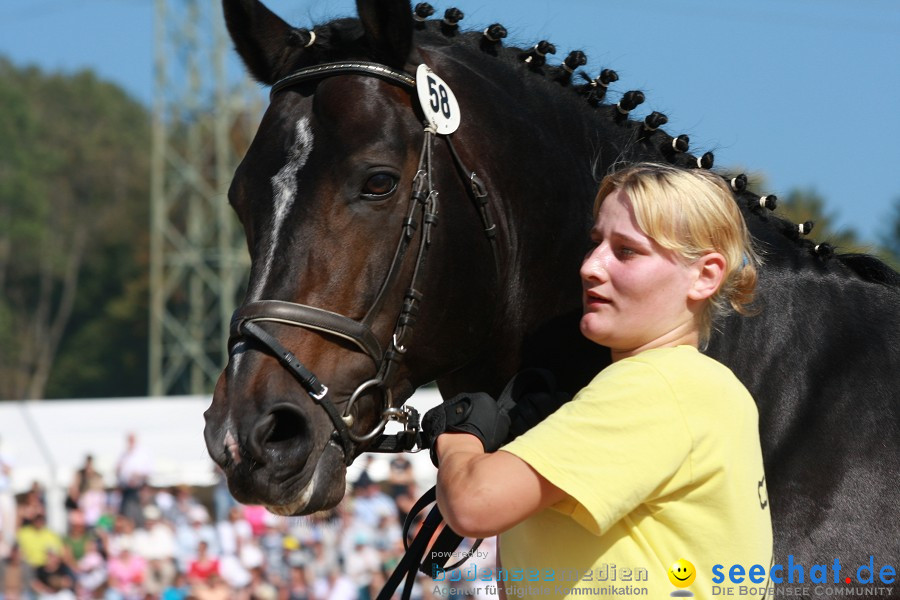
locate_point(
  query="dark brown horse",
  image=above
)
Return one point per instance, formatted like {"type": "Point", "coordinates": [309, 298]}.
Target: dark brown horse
{"type": "Point", "coordinates": [385, 256]}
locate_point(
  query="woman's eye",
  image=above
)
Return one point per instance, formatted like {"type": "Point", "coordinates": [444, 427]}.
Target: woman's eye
{"type": "Point", "coordinates": [379, 186]}
{"type": "Point", "coordinates": [625, 252]}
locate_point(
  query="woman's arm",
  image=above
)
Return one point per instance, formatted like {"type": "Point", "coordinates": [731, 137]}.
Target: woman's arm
{"type": "Point", "coordinates": [481, 494]}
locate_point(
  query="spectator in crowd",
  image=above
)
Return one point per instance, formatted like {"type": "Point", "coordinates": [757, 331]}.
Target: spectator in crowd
{"type": "Point", "coordinates": [202, 567]}
{"type": "Point", "coordinates": [54, 580]}
{"type": "Point", "coordinates": [370, 504]}
{"type": "Point", "coordinates": [387, 532]}
{"type": "Point", "coordinates": [156, 539]}
{"type": "Point", "coordinates": [132, 472]}
{"type": "Point", "coordinates": [401, 471]}
{"type": "Point", "coordinates": [75, 541]}
{"type": "Point", "coordinates": [233, 532]}
{"type": "Point", "coordinates": [188, 536]}
{"type": "Point", "coordinates": [223, 501]}
{"type": "Point", "coordinates": [321, 561]}
{"type": "Point", "coordinates": [7, 504]}
{"type": "Point", "coordinates": [36, 541]}
{"type": "Point", "coordinates": [31, 505]}
{"type": "Point", "coordinates": [175, 552]}
{"type": "Point", "coordinates": [87, 475]}
{"type": "Point", "coordinates": [363, 567]}
{"type": "Point", "coordinates": [179, 590]}
{"type": "Point", "coordinates": [92, 497]}
{"type": "Point", "coordinates": [299, 588]}
{"type": "Point", "coordinates": [256, 517]}
{"type": "Point", "coordinates": [293, 555]}
{"type": "Point", "coordinates": [214, 588]}
{"type": "Point", "coordinates": [90, 571]}
{"type": "Point", "coordinates": [155, 543]}
{"type": "Point", "coordinates": [336, 586]}
{"type": "Point", "coordinates": [122, 535]}
{"type": "Point", "coordinates": [12, 575]}
{"type": "Point", "coordinates": [260, 586]}
{"type": "Point", "coordinates": [126, 573]}
{"type": "Point", "coordinates": [183, 508]}
{"type": "Point", "coordinates": [165, 501]}
{"type": "Point", "coordinates": [402, 486]}
{"type": "Point", "coordinates": [85, 478]}
{"type": "Point", "coordinates": [160, 574]}
{"type": "Point", "coordinates": [272, 544]}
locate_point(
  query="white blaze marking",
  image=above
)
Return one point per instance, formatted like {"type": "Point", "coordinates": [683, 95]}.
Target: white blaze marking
{"type": "Point", "coordinates": [284, 184]}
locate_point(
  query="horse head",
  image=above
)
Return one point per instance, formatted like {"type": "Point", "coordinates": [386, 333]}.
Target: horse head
{"type": "Point", "coordinates": [365, 242]}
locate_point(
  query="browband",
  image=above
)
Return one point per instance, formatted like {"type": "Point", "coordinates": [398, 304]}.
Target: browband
{"type": "Point", "coordinates": [361, 67]}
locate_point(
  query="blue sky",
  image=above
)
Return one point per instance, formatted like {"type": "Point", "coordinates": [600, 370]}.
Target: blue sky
{"type": "Point", "coordinates": [803, 91]}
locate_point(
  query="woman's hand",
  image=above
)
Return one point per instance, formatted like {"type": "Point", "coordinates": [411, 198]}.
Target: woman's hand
{"type": "Point", "coordinates": [474, 413]}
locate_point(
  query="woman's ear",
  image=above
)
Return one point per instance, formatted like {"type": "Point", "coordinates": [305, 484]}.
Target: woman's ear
{"type": "Point", "coordinates": [710, 269]}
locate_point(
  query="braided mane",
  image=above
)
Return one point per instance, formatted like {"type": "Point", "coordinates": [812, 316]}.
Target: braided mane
{"type": "Point", "coordinates": [343, 39]}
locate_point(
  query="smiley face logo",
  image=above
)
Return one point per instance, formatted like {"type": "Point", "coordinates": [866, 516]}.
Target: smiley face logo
{"type": "Point", "coordinates": [682, 573]}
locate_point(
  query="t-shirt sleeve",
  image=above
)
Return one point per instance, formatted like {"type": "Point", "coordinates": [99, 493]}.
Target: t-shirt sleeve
{"type": "Point", "coordinates": [616, 445]}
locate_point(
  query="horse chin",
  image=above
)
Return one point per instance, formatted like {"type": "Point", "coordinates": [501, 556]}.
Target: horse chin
{"type": "Point", "coordinates": [323, 491]}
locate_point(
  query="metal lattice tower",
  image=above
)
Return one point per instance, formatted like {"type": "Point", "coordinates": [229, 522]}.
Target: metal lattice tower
{"type": "Point", "coordinates": [198, 259]}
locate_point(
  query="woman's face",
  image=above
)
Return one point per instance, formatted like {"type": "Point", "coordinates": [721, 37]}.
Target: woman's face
{"type": "Point", "coordinates": [636, 293]}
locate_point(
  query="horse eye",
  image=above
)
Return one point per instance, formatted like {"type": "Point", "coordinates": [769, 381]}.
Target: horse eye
{"type": "Point", "coordinates": [379, 186]}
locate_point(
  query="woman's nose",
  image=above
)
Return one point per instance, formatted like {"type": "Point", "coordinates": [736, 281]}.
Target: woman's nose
{"type": "Point", "coordinates": [593, 266]}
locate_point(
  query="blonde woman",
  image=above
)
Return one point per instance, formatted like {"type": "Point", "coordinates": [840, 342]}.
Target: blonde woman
{"type": "Point", "coordinates": [658, 458]}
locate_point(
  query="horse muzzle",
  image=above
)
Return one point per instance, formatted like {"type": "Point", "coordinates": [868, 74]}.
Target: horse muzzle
{"type": "Point", "coordinates": [276, 461]}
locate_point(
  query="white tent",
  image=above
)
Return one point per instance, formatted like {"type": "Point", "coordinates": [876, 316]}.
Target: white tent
{"type": "Point", "coordinates": [48, 441]}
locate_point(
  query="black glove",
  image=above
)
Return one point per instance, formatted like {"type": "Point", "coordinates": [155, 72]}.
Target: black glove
{"type": "Point", "coordinates": [529, 398]}
{"type": "Point", "coordinates": [475, 413]}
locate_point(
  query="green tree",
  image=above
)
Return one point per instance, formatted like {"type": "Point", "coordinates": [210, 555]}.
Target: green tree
{"type": "Point", "coordinates": [890, 240]}
{"type": "Point", "coordinates": [73, 218]}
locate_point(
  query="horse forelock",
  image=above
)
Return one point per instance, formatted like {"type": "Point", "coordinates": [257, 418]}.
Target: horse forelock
{"type": "Point", "coordinates": [343, 39]}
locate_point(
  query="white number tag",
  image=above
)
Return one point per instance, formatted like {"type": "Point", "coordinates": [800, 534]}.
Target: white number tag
{"type": "Point", "coordinates": [438, 102]}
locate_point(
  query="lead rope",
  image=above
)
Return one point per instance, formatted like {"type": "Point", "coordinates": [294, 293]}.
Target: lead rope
{"type": "Point", "coordinates": [414, 558]}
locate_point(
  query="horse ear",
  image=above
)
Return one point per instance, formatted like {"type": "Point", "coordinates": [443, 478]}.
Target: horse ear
{"type": "Point", "coordinates": [260, 38]}
{"type": "Point", "coordinates": [389, 29]}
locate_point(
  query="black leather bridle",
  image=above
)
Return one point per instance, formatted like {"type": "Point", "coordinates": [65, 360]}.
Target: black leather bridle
{"type": "Point", "coordinates": [422, 212]}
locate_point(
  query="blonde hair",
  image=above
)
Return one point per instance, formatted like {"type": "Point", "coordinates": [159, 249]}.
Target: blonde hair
{"type": "Point", "coordinates": [692, 213]}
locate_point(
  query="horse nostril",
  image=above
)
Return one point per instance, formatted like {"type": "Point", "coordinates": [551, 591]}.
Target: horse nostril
{"type": "Point", "coordinates": [282, 430]}
{"type": "Point", "coordinates": [288, 424]}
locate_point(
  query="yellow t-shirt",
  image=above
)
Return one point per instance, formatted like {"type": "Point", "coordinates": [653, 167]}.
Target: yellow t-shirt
{"type": "Point", "coordinates": [660, 458]}
{"type": "Point", "coordinates": [34, 544]}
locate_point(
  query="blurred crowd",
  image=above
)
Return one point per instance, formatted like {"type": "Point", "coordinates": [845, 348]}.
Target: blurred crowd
{"type": "Point", "coordinates": [133, 541]}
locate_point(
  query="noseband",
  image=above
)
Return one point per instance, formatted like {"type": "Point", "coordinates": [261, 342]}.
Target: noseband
{"type": "Point", "coordinates": [422, 211]}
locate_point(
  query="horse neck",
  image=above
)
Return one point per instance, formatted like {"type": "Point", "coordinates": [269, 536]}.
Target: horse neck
{"type": "Point", "coordinates": [534, 144]}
